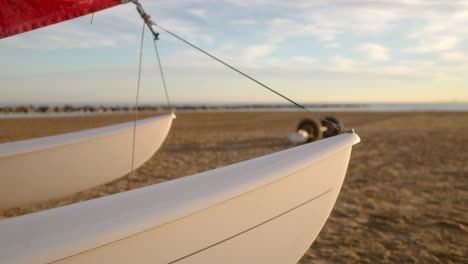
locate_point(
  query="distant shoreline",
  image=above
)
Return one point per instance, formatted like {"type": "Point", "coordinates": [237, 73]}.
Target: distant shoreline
{"type": "Point", "coordinates": [73, 110]}
{"type": "Point", "coordinates": [183, 107]}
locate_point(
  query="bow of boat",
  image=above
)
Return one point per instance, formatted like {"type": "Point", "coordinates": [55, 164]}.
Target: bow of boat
{"type": "Point", "coordinates": [265, 210]}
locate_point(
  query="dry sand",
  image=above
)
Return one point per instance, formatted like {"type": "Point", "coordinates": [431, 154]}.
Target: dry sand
{"type": "Point", "coordinates": [405, 198]}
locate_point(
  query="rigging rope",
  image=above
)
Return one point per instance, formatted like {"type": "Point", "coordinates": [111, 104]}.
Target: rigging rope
{"type": "Point", "coordinates": [162, 73]}
{"type": "Point", "coordinates": [336, 126]}
{"type": "Point", "coordinates": [149, 22]}
{"type": "Point", "coordinates": [94, 10]}
{"type": "Point", "coordinates": [147, 19]}
{"type": "Point", "coordinates": [231, 67]}
{"type": "Point", "coordinates": [132, 174]}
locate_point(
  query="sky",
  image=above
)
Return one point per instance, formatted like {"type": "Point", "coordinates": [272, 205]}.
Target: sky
{"type": "Point", "coordinates": [309, 50]}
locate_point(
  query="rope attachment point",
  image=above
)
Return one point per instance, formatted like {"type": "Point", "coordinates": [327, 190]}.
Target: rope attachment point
{"type": "Point", "coordinates": [150, 23]}
{"type": "Point", "coordinates": [146, 18]}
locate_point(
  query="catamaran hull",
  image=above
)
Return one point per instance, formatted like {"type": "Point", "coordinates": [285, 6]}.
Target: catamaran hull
{"type": "Point", "coordinates": [273, 224]}
{"type": "Point", "coordinates": [266, 210]}
{"type": "Point", "coordinates": [50, 167]}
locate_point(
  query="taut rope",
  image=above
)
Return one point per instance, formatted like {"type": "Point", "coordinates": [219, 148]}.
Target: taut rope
{"type": "Point", "coordinates": [168, 101]}
{"type": "Point", "coordinates": [132, 174]}
{"type": "Point", "coordinates": [148, 20]}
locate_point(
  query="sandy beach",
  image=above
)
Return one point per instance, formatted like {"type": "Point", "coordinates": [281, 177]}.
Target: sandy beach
{"type": "Point", "coordinates": [405, 197]}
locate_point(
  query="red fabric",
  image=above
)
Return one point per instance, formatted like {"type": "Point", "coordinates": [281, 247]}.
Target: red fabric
{"type": "Point", "coordinates": [19, 16]}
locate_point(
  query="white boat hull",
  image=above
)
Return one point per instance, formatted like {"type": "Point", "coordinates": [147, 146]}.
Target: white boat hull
{"type": "Point", "coordinates": [51, 167]}
{"type": "Point", "coordinates": [266, 210]}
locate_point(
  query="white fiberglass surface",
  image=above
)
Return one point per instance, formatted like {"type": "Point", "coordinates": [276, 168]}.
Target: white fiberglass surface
{"type": "Point", "coordinates": [74, 229]}
{"type": "Point", "coordinates": [50, 167]}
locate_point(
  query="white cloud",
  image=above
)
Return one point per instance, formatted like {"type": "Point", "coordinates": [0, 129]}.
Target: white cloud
{"type": "Point", "coordinates": [340, 63]}
{"type": "Point", "coordinates": [374, 51]}
{"type": "Point", "coordinates": [258, 51]}
{"type": "Point", "coordinates": [454, 56]}
{"type": "Point", "coordinates": [255, 34]}
{"type": "Point", "coordinates": [189, 31]}
{"type": "Point", "coordinates": [283, 29]}
{"type": "Point", "coordinates": [197, 12]}
{"type": "Point", "coordinates": [436, 44]}
{"type": "Point", "coordinates": [397, 70]}
{"type": "Point", "coordinates": [243, 22]}
{"type": "Point", "coordinates": [441, 25]}
{"type": "Point", "coordinates": [303, 59]}
{"type": "Point", "coordinates": [424, 22]}
{"type": "Point", "coordinates": [250, 3]}
{"type": "Point", "coordinates": [420, 70]}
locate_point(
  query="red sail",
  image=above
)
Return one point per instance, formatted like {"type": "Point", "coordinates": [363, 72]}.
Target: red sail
{"type": "Point", "coordinates": [19, 16]}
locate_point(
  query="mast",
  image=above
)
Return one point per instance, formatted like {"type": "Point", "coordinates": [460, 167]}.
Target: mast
{"type": "Point", "coordinates": [17, 17]}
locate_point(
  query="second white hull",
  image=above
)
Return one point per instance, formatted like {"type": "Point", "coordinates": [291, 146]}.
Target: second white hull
{"type": "Point", "coordinates": [46, 168]}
